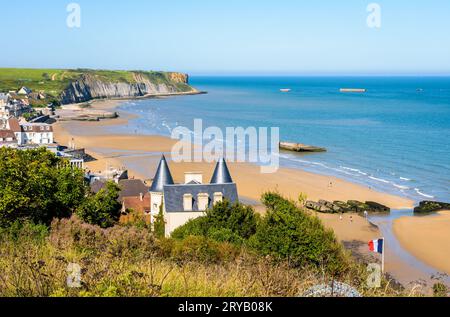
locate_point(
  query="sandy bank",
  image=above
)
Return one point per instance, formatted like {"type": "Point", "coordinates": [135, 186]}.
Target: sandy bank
{"type": "Point", "coordinates": [108, 149]}
{"type": "Point", "coordinates": [427, 238]}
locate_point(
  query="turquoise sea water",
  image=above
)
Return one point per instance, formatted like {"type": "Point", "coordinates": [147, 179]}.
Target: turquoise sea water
{"type": "Point", "coordinates": [394, 138]}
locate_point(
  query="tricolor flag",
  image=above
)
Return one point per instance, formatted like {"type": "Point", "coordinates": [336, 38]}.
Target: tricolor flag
{"type": "Point", "coordinates": [376, 246]}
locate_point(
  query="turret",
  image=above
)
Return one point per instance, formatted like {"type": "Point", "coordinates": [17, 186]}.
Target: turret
{"type": "Point", "coordinates": [162, 177]}
{"type": "Point", "coordinates": [221, 173]}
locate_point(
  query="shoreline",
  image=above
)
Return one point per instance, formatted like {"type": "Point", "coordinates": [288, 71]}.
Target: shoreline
{"type": "Point", "coordinates": [140, 154]}
{"type": "Point", "coordinates": [130, 98]}
{"type": "Point", "coordinates": [118, 149]}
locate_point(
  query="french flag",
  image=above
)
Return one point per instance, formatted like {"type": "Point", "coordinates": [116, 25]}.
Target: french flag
{"type": "Point", "coordinates": [376, 246]}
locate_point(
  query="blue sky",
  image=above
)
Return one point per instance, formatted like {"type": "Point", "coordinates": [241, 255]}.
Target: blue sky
{"type": "Point", "coordinates": [230, 36]}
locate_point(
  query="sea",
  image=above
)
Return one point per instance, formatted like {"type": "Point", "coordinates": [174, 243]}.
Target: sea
{"type": "Point", "coordinates": [394, 138]}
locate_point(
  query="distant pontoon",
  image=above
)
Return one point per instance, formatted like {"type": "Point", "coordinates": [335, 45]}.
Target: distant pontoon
{"type": "Point", "coordinates": [353, 90]}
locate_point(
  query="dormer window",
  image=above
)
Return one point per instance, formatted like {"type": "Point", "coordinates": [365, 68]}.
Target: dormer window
{"type": "Point", "coordinates": [203, 201]}
{"type": "Point", "coordinates": [188, 202]}
{"type": "Point", "coordinates": [218, 198]}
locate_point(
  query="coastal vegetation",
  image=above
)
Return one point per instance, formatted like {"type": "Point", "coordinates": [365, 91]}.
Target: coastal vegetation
{"type": "Point", "coordinates": [51, 224]}
{"type": "Point", "coordinates": [38, 260]}
{"type": "Point", "coordinates": [38, 186]}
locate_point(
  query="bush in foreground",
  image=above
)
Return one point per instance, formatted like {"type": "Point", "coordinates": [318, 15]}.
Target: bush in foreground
{"type": "Point", "coordinates": [37, 186]}
{"type": "Point", "coordinates": [103, 208]}
{"type": "Point", "coordinates": [127, 261]}
{"type": "Point", "coordinates": [288, 232]}
{"type": "Point", "coordinates": [225, 222]}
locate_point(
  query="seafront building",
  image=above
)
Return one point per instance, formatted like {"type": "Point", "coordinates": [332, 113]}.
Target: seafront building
{"type": "Point", "coordinates": [183, 202]}
{"type": "Point", "coordinates": [30, 133]}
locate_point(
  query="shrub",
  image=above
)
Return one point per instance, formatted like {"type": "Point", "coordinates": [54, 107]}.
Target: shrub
{"type": "Point", "coordinates": [225, 221]}
{"type": "Point", "coordinates": [440, 290]}
{"type": "Point", "coordinates": [287, 232]}
{"type": "Point", "coordinates": [201, 249]}
{"type": "Point", "coordinates": [102, 209]}
{"type": "Point", "coordinates": [20, 231]}
{"type": "Point", "coordinates": [115, 242]}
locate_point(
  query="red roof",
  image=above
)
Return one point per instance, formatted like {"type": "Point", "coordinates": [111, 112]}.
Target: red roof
{"type": "Point", "coordinates": [14, 125]}
{"type": "Point", "coordinates": [136, 204]}
{"type": "Point", "coordinates": [5, 134]}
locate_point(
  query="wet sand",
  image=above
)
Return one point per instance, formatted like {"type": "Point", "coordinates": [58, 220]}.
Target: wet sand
{"type": "Point", "coordinates": [427, 238]}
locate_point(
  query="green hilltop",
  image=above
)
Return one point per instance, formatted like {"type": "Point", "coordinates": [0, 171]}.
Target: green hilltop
{"type": "Point", "coordinates": [53, 82]}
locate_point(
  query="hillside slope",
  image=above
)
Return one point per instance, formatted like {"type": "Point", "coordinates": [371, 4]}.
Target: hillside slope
{"type": "Point", "coordinates": [80, 85]}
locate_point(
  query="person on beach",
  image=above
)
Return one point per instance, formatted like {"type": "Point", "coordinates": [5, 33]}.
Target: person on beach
{"type": "Point", "coordinates": [351, 219]}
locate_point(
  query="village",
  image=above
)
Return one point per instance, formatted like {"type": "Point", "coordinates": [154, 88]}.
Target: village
{"type": "Point", "coordinates": [24, 127]}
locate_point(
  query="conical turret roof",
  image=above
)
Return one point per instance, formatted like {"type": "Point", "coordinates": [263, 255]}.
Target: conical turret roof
{"type": "Point", "coordinates": [221, 173]}
{"type": "Point", "coordinates": [162, 177]}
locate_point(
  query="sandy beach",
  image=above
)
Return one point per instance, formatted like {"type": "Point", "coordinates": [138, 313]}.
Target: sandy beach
{"type": "Point", "coordinates": [427, 238]}
{"type": "Point", "coordinates": [108, 148]}
{"type": "Point", "coordinates": [140, 155]}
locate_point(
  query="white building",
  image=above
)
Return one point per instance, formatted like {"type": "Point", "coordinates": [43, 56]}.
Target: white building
{"type": "Point", "coordinates": [4, 109]}
{"type": "Point", "coordinates": [37, 133]}
{"type": "Point", "coordinates": [31, 133]}
{"type": "Point", "coordinates": [24, 91]}
{"type": "Point", "coordinates": [3, 99]}
{"type": "Point", "coordinates": [183, 202]}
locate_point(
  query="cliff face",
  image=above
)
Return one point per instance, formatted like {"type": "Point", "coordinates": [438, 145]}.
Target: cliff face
{"type": "Point", "coordinates": [89, 87]}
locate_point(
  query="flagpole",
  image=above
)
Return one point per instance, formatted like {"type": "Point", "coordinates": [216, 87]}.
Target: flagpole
{"type": "Point", "coordinates": [382, 257]}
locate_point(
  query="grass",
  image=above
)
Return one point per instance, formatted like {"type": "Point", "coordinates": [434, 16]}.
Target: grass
{"type": "Point", "coordinates": [129, 261]}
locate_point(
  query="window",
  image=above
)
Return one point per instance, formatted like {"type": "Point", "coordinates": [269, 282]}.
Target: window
{"type": "Point", "coordinates": [203, 201]}
{"type": "Point", "coordinates": [218, 198]}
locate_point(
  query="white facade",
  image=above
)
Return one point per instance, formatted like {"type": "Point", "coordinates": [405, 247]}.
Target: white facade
{"type": "Point", "coordinates": [36, 133]}
{"type": "Point", "coordinates": [156, 203]}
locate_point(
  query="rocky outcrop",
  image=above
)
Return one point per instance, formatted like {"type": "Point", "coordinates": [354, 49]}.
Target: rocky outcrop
{"type": "Point", "coordinates": [431, 206]}
{"type": "Point", "coordinates": [324, 206]}
{"type": "Point", "coordinates": [89, 87]}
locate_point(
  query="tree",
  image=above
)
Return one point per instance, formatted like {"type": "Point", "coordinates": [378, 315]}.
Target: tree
{"type": "Point", "coordinates": [36, 185]}
{"type": "Point", "coordinates": [225, 222]}
{"type": "Point", "coordinates": [102, 209]}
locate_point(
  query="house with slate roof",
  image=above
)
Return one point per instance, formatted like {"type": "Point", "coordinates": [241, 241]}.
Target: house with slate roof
{"type": "Point", "coordinates": [183, 202]}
